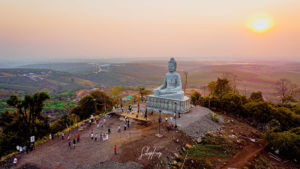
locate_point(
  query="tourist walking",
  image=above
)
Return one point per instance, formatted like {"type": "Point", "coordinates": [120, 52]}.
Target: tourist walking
{"type": "Point", "coordinates": [125, 126]}
{"type": "Point", "coordinates": [62, 135]}
{"type": "Point", "coordinates": [92, 136]}
{"type": "Point", "coordinates": [108, 130]}
{"type": "Point", "coordinates": [115, 149]}
{"type": "Point", "coordinates": [119, 128]}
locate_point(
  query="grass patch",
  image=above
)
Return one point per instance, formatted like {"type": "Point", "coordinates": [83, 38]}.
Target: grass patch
{"type": "Point", "coordinates": [207, 150]}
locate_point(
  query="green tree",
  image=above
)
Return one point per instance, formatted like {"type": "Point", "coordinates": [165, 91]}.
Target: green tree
{"type": "Point", "coordinates": [143, 92]}
{"type": "Point", "coordinates": [219, 87]}
{"type": "Point", "coordinates": [195, 98]}
{"type": "Point", "coordinates": [29, 111]}
{"type": "Point", "coordinates": [95, 102]}
{"type": "Point", "coordinates": [25, 121]}
{"type": "Point", "coordinates": [233, 103]}
{"type": "Point", "coordinates": [259, 111]}
{"type": "Point", "coordinates": [256, 96]}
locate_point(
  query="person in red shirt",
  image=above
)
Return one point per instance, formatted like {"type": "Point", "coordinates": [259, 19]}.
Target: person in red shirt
{"type": "Point", "coordinates": [78, 138]}
{"type": "Point", "coordinates": [115, 149]}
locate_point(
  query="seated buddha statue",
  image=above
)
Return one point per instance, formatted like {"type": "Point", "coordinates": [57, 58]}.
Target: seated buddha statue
{"type": "Point", "coordinates": [171, 87]}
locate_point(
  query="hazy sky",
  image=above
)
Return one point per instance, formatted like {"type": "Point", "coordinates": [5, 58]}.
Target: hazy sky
{"type": "Point", "coordinates": [35, 29]}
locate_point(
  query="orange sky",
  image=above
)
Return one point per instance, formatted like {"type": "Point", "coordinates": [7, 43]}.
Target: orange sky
{"type": "Point", "coordinates": [147, 28]}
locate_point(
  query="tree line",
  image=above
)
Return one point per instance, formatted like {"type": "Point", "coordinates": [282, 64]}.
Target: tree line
{"type": "Point", "coordinates": [280, 122]}
{"type": "Point", "coordinates": [27, 118]}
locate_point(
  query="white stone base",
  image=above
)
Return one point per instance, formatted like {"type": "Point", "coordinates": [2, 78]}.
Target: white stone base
{"type": "Point", "coordinates": [167, 105]}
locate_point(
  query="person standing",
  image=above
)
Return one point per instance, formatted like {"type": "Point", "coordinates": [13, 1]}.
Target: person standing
{"type": "Point", "coordinates": [95, 136]}
{"type": "Point", "coordinates": [69, 142]}
{"type": "Point", "coordinates": [115, 149]}
{"type": "Point", "coordinates": [50, 136]}
{"type": "Point", "coordinates": [92, 136]}
{"type": "Point", "coordinates": [145, 114]}
{"type": "Point", "coordinates": [125, 126]}
{"type": "Point", "coordinates": [101, 136]}
{"type": "Point", "coordinates": [108, 130]}
{"type": "Point", "coordinates": [119, 128]}
{"type": "Point", "coordinates": [15, 161]}
{"type": "Point", "coordinates": [74, 143]}
{"type": "Point", "coordinates": [62, 135]}
{"type": "Point", "coordinates": [78, 138]}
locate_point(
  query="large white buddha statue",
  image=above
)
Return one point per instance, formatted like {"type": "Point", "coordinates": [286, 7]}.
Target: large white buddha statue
{"type": "Point", "coordinates": [171, 87]}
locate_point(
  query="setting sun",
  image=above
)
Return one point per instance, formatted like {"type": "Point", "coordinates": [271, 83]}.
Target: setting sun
{"type": "Point", "coordinates": [260, 24]}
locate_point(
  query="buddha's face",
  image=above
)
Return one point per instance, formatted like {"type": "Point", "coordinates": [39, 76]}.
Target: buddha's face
{"type": "Point", "coordinates": [172, 67]}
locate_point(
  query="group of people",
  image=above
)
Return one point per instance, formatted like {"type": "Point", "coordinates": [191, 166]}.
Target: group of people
{"type": "Point", "coordinates": [71, 142]}
{"type": "Point", "coordinates": [139, 113]}
{"type": "Point", "coordinates": [97, 136]}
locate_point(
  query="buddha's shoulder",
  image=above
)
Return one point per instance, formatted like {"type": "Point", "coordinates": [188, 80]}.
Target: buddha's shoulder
{"type": "Point", "coordinates": [173, 74]}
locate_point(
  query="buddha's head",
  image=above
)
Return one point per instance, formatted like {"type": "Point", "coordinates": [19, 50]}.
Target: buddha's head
{"type": "Point", "coordinates": [172, 65]}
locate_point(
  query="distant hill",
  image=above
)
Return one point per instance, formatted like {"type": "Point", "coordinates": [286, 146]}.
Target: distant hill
{"type": "Point", "coordinates": [31, 80]}
{"type": "Point", "coordinates": [126, 74]}
{"type": "Point", "coordinates": [129, 74]}
{"type": "Point", "coordinates": [248, 76]}
{"type": "Point", "coordinates": [65, 67]}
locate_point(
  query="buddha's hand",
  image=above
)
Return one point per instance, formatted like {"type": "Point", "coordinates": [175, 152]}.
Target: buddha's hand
{"type": "Point", "coordinates": [156, 91]}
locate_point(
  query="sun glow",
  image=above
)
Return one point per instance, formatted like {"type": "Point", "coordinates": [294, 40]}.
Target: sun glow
{"type": "Point", "coordinates": [260, 23]}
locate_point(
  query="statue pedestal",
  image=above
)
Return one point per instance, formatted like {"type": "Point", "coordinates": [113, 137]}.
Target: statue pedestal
{"type": "Point", "coordinates": [167, 105]}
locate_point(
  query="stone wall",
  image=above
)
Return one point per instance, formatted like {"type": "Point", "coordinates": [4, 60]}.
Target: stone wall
{"type": "Point", "coordinates": [168, 105]}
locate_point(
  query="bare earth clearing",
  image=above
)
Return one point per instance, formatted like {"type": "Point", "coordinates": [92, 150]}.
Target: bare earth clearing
{"type": "Point", "coordinates": [139, 147]}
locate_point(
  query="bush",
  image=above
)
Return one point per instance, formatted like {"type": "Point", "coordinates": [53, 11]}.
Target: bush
{"type": "Point", "coordinates": [287, 142]}
{"type": "Point", "coordinates": [215, 117]}
{"type": "Point", "coordinates": [256, 96]}
{"type": "Point", "coordinates": [233, 103]}
{"type": "Point", "coordinates": [260, 111]}
{"type": "Point", "coordinates": [286, 118]}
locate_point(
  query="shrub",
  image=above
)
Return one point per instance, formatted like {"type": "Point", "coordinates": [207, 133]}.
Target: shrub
{"type": "Point", "coordinates": [287, 142]}
{"type": "Point", "coordinates": [260, 111]}
{"type": "Point", "coordinates": [215, 117]}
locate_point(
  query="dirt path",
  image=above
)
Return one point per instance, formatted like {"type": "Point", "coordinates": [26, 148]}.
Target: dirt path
{"type": "Point", "coordinates": [247, 154]}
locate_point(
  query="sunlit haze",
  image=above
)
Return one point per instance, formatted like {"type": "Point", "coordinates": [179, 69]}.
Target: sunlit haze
{"type": "Point", "coordinates": [215, 29]}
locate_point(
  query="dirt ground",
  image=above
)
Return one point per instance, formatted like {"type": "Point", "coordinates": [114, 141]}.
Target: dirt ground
{"type": "Point", "coordinates": [140, 144]}
{"type": "Point", "coordinates": [57, 154]}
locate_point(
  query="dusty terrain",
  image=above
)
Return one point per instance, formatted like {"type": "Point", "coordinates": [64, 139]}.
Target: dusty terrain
{"type": "Point", "coordinates": [139, 147]}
